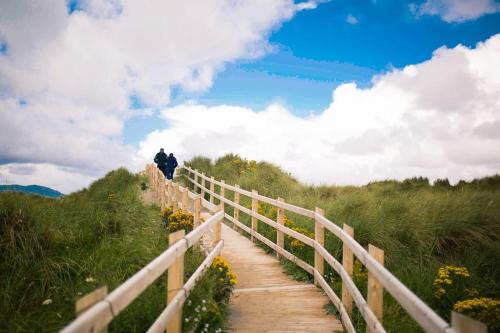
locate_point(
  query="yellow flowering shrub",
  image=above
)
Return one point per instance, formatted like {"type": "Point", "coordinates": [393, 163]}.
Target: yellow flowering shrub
{"type": "Point", "coordinates": [225, 278]}
{"type": "Point", "coordinates": [486, 310]}
{"type": "Point", "coordinates": [180, 219]}
{"type": "Point", "coordinates": [450, 286]}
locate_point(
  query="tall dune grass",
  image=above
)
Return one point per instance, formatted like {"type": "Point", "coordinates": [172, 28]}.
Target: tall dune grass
{"type": "Point", "coordinates": [420, 226]}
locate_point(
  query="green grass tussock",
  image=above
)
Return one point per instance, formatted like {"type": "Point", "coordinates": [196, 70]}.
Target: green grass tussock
{"type": "Point", "coordinates": [420, 226]}
{"type": "Point", "coordinates": [53, 251]}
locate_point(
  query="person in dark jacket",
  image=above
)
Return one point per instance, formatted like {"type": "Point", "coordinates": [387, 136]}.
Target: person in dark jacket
{"type": "Point", "coordinates": [161, 160]}
{"type": "Point", "coordinates": [171, 165]}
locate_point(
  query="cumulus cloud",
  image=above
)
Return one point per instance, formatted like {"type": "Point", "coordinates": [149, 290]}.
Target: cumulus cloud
{"type": "Point", "coordinates": [438, 119]}
{"type": "Point", "coordinates": [66, 79]}
{"type": "Point", "coordinates": [351, 19]}
{"type": "Point", "coordinates": [456, 10]}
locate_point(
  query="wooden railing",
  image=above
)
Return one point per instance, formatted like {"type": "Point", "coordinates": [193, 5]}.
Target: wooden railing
{"type": "Point", "coordinates": [96, 317]}
{"type": "Point", "coordinates": [379, 278]}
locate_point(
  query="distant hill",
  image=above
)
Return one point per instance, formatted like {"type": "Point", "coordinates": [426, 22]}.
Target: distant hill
{"type": "Point", "coordinates": [32, 189]}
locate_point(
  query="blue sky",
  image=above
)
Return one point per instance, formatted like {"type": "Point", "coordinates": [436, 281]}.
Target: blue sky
{"type": "Point", "coordinates": [319, 49]}
{"type": "Point", "coordinates": [116, 80]}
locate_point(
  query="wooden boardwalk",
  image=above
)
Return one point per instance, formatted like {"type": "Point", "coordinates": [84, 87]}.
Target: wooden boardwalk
{"type": "Point", "coordinates": [265, 298]}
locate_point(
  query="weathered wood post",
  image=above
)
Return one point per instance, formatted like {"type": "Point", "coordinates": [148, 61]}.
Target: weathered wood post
{"type": "Point", "coordinates": [185, 199]}
{"type": "Point", "coordinates": [163, 196]}
{"type": "Point", "coordinates": [375, 290]}
{"type": "Point", "coordinates": [463, 324]}
{"type": "Point", "coordinates": [347, 262]}
{"type": "Point", "coordinates": [197, 211]}
{"type": "Point", "coordinates": [170, 191]}
{"type": "Point", "coordinates": [236, 211]}
{"type": "Point", "coordinates": [175, 198]}
{"type": "Point", "coordinates": [217, 231]}
{"type": "Point", "coordinates": [195, 186]}
{"type": "Point", "coordinates": [203, 185]}
{"type": "Point", "coordinates": [86, 302]}
{"type": "Point", "coordinates": [319, 236]}
{"type": "Point", "coordinates": [175, 282]}
{"type": "Point", "coordinates": [222, 195]}
{"type": "Point", "coordinates": [280, 236]}
{"type": "Point", "coordinates": [212, 189]}
{"type": "Point", "coordinates": [255, 208]}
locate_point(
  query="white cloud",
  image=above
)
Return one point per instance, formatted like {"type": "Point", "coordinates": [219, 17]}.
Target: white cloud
{"type": "Point", "coordinates": [456, 10]}
{"type": "Point", "coordinates": [439, 118]}
{"type": "Point", "coordinates": [351, 19]}
{"type": "Point", "coordinates": [75, 73]}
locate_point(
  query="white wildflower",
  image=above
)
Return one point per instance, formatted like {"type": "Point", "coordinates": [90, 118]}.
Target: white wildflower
{"type": "Point", "coordinates": [47, 301]}
{"type": "Point", "coordinates": [89, 279]}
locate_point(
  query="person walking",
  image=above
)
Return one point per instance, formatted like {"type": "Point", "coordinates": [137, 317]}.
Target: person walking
{"type": "Point", "coordinates": [171, 165]}
{"type": "Point", "coordinates": [161, 161]}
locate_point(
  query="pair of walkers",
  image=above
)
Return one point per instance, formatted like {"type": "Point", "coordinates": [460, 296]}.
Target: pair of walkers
{"type": "Point", "coordinates": [166, 164]}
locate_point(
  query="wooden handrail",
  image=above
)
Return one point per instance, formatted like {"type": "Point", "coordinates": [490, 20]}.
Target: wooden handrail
{"type": "Point", "coordinates": [103, 312]}
{"type": "Point", "coordinates": [414, 306]}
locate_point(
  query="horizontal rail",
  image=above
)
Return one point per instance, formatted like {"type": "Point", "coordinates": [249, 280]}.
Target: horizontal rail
{"type": "Point", "coordinates": [292, 208]}
{"type": "Point", "coordinates": [370, 318]}
{"type": "Point", "coordinates": [161, 322]}
{"type": "Point", "coordinates": [101, 314]}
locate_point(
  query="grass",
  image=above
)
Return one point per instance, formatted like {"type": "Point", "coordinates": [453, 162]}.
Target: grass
{"type": "Point", "coordinates": [420, 226]}
{"type": "Point", "coordinates": [60, 249]}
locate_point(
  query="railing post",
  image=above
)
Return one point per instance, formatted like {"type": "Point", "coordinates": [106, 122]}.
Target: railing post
{"type": "Point", "coordinates": [375, 290]}
{"type": "Point", "coordinates": [212, 189]}
{"type": "Point", "coordinates": [255, 207]}
{"type": "Point", "coordinates": [222, 195]}
{"type": "Point", "coordinates": [347, 262]}
{"type": "Point", "coordinates": [203, 185]}
{"type": "Point", "coordinates": [163, 204]}
{"type": "Point", "coordinates": [197, 211]}
{"type": "Point", "coordinates": [463, 324]}
{"type": "Point", "coordinates": [175, 198]}
{"type": "Point", "coordinates": [195, 187]}
{"type": "Point", "coordinates": [236, 211]}
{"type": "Point", "coordinates": [175, 281]}
{"type": "Point", "coordinates": [158, 175]}
{"type": "Point", "coordinates": [185, 199]}
{"type": "Point", "coordinates": [319, 236]}
{"type": "Point", "coordinates": [217, 232]}
{"type": "Point", "coordinates": [86, 302]}
{"type": "Point", "coordinates": [280, 218]}
{"type": "Point", "coordinates": [169, 193]}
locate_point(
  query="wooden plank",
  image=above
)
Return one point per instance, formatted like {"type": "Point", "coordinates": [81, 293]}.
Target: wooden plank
{"type": "Point", "coordinates": [280, 236]}
{"type": "Point", "coordinates": [347, 262]}
{"type": "Point", "coordinates": [268, 300]}
{"type": "Point", "coordinates": [319, 236]}
{"type": "Point", "coordinates": [255, 205]}
{"type": "Point", "coordinates": [375, 289]}
{"type": "Point", "coordinates": [175, 281]}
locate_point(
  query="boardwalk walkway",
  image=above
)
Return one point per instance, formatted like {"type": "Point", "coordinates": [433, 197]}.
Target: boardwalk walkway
{"type": "Point", "coordinates": [266, 299]}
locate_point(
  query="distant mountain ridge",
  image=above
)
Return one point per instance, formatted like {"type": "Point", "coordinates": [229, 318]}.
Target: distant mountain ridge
{"type": "Point", "coordinates": [32, 189]}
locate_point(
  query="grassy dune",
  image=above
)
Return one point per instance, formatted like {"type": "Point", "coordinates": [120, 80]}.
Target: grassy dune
{"type": "Point", "coordinates": [54, 250]}
{"type": "Point", "coordinates": [419, 226]}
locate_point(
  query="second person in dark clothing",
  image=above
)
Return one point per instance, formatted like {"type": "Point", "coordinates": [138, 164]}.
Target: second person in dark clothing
{"type": "Point", "coordinates": [171, 165]}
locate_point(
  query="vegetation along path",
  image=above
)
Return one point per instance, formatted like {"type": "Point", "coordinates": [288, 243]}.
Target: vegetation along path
{"type": "Point", "coordinates": [268, 300]}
